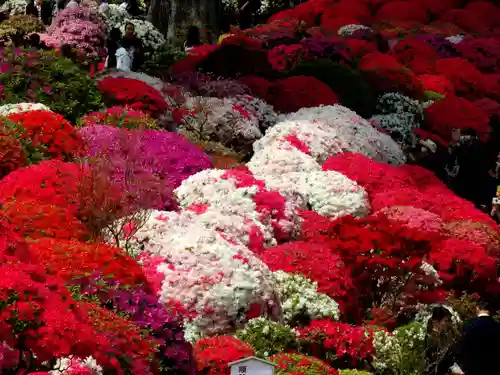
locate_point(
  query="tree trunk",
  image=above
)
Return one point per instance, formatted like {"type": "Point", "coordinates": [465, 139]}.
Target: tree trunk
{"type": "Point", "coordinates": [173, 17]}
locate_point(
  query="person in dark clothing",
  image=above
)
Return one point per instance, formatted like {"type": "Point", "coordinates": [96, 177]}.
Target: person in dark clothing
{"type": "Point", "coordinates": [193, 38]}
{"type": "Point", "coordinates": [480, 346]}
{"type": "Point", "coordinates": [34, 42]}
{"type": "Point", "coordinates": [133, 45]}
{"type": "Point", "coordinates": [41, 10]}
{"type": "Point", "coordinates": [472, 177]}
{"type": "Point", "coordinates": [113, 44]}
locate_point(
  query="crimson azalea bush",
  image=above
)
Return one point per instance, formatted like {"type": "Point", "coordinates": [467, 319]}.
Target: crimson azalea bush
{"type": "Point", "coordinates": [45, 135]}
{"type": "Point", "coordinates": [120, 117]}
{"type": "Point", "coordinates": [133, 93]}
{"type": "Point", "coordinates": [465, 78]}
{"type": "Point", "coordinates": [34, 220]}
{"type": "Point", "coordinates": [291, 94]}
{"type": "Point", "coordinates": [416, 55]}
{"type": "Point", "coordinates": [212, 354]}
{"type": "Point", "coordinates": [339, 343]}
{"type": "Point", "coordinates": [483, 53]}
{"type": "Point", "coordinates": [294, 363]}
{"type": "Point", "coordinates": [12, 155]}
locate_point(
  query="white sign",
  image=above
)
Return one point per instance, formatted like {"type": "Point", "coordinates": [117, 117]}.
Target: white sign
{"type": "Point", "coordinates": [252, 366]}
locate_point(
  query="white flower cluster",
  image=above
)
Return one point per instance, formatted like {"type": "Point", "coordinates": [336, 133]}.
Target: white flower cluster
{"type": "Point", "coordinates": [391, 349]}
{"type": "Point", "coordinates": [114, 15]}
{"type": "Point", "coordinates": [455, 39]}
{"type": "Point", "coordinates": [265, 5]}
{"type": "Point", "coordinates": [149, 35]}
{"type": "Point", "coordinates": [222, 120]}
{"type": "Point", "coordinates": [350, 29]}
{"type": "Point", "coordinates": [425, 313]}
{"type": "Point", "coordinates": [67, 365]}
{"type": "Point", "coordinates": [352, 132]}
{"type": "Point", "coordinates": [263, 111]}
{"type": "Point", "coordinates": [9, 109]}
{"type": "Point", "coordinates": [14, 7]}
{"type": "Point", "coordinates": [211, 276]}
{"type": "Point", "coordinates": [399, 115]}
{"type": "Point", "coordinates": [300, 297]}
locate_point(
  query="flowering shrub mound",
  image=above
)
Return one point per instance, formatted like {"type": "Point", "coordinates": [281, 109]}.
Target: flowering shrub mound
{"type": "Point", "coordinates": [402, 11]}
{"type": "Point", "coordinates": [120, 117]}
{"type": "Point", "coordinates": [82, 28]}
{"type": "Point", "coordinates": [43, 77]}
{"type": "Point", "coordinates": [291, 94]}
{"type": "Point", "coordinates": [294, 363]}
{"type": "Point", "coordinates": [12, 156]}
{"type": "Point", "coordinates": [36, 220]}
{"type": "Point", "coordinates": [44, 135]}
{"type": "Point", "coordinates": [483, 53]}
{"type": "Point", "coordinates": [346, 82]}
{"type": "Point", "coordinates": [212, 354]}
{"type": "Point", "coordinates": [72, 260]}
{"type": "Point", "coordinates": [455, 113]}
{"type": "Point", "coordinates": [436, 84]}
{"type": "Point", "coordinates": [16, 28]}
{"type": "Point", "coordinates": [133, 93]}
{"type": "Point", "coordinates": [416, 55]}
{"type": "Point", "coordinates": [465, 78]}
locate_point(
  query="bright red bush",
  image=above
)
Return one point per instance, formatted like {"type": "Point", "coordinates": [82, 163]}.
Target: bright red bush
{"type": "Point", "coordinates": [436, 83]}
{"type": "Point", "coordinates": [259, 87]}
{"type": "Point", "coordinates": [358, 48]}
{"type": "Point", "coordinates": [465, 20]}
{"type": "Point", "coordinates": [465, 78]}
{"type": "Point", "coordinates": [134, 94]}
{"type": "Point", "coordinates": [298, 364]}
{"type": "Point", "coordinates": [314, 261]}
{"type": "Point", "coordinates": [483, 53]}
{"type": "Point", "coordinates": [455, 113]}
{"type": "Point", "coordinates": [286, 57]}
{"type": "Point", "coordinates": [416, 55]}
{"type": "Point", "coordinates": [437, 8]}
{"type": "Point", "coordinates": [349, 8]}
{"type": "Point", "coordinates": [212, 354]}
{"type": "Point", "coordinates": [386, 74]}
{"type": "Point", "coordinates": [45, 134]}
{"type": "Point", "coordinates": [291, 94]}
{"type": "Point", "coordinates": [72, 260]}
{"type": "Point", "coordinates": [36, 220]}
{"type": "Point", "coordinates": [403, 11]}
{"type": "Point", "coordinates": [489, 106]}
{"type": "Point", "coordinates": [349, 344]}
{"type": "Point", "coordinates": [12, 156]}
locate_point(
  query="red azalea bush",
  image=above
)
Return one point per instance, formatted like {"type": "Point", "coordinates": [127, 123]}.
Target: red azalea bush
{"type": "Point", "coordinates": [438, 8]}
{"type": "Point", "coordinates": [12, 155]}
{"type": "Point", "coordinates": [72, 260]}
{"type": "Point", "coordinates": [338, 342]}
{"type": "Point", "coordinates": [51, 182]}
{"type": "Point", "coordinates": [489, 106]}
{"type": "Point", "coordinates": [291, 94]}
{"type": "Point", "coordinates": [212, 354]}
{"type": "Point", "coordinates": [45, 134]}
{"type": "Point", "coordinates": [298, 364]}
{"type": "Point", "coordinates": [403, 11]}
{"type": "Point", "coordinates": [358, 48]}
{"type": "Point", "coordinates": [478, 233]}
{"type": "Point", "coordinates": [314, 261]}
{"type": "Point", "coordinates": [416, 55]}
{"type": "Point", "coordinates": [386, 74]}
{"type": "Point", "coordinates": [132, 93]}
{"type": "Point", "coordinates": [120, 117]}
{"type": "Point", "coordinates": [128, 348]}
{"type": "Point", "coordinates": [349, 8]}
{"type": "Point", "coordinates": [483, 53]}
{"type": "Point", "coordinates": [436, 83]}
{"type": "Point", "coordinates": [465, 78]}
{"type": "Point", "coordinates": [455, 113]}
{"type": "Point", "coordinates": [37, 220]}
{"type": "Point", "coordinates": [465, 20]}
{"type": "Point", "coordinates": [259, 87]}
{"type": "Point", "coordinates": [285, 57]}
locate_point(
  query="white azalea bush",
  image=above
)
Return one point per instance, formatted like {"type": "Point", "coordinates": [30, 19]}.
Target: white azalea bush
{"type": "Point", "coordinates": [300, 298]}
{"type": "Point", "coordinates": [74, 365]}
{"type": "Point", "coordinates": [114, 15]}
{"type": "Point", "coordinates": [351, 132]}
{"type": "Point", "coordinates": [9, 109]}
{"type": "Point", "coordinates": [14, 7]}
{"type": "Point", "coordinates": [350, 29]}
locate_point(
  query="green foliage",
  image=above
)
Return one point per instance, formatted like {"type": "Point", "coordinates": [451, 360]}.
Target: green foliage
{"type": "Point", "coordinates": [161, 60]}
{"type": "Point", "coordinates": [431, 95]}
{"type": "Point", "coordinates": [347, 83]}
{"type": "Point", "coordinates": [354, 372]}
{"type": "Point", "coordinates": [18, 27]}
{"type": "Point", "coordinates": [267, 337]}
{"type": "Point", "coordinates": [43, 77]}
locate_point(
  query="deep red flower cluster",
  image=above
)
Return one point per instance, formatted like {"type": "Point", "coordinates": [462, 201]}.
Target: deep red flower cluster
{"type": "Point", "coordinates": [120, 117]}
{"type": "Point", "coordinates": [286, 57]}
{"type": "Point", "coordinates": [403, 11]}
{"type": "Point", "coordinates": [72, 260]}
{"type": "Point", "coordinates": [416, 55]}
{"type": "Point", "coordinates": [12, 155]}
{"type": "Point", "coordinates": [465, 78]}
{"type": "Point", "coordinates": [455, 113]}
{"type": "Point", "coordinates": [134, 94]}
{"type": "Point", "coordinates": [436, 83]}
{"type": "Point", "coordinates": [291, 94]}
{"type": "Point", "coordinates": [212, 354]}
{"type": "Point", "coordinates": [36, 220]}
{"type": "Point", "coordinates": [483, 53]}
{"type": "Point", "coordinates": [347, 343]}
{"type": "Point", "coordinates": [297, 364]}
{"type": "Point", "coordinates": [45, 134]}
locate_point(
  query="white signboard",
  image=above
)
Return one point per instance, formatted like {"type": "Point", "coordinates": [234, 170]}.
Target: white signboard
{"type": "Point", "coordinates": [252, 366]}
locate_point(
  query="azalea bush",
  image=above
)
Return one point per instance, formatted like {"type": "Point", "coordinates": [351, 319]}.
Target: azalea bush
{"type": "Point", "coordinates": [43, 77]}
{"type": "Point", "coordinates": [120, 117]}
{"type": "Point", "coordinates": [17, 28]}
